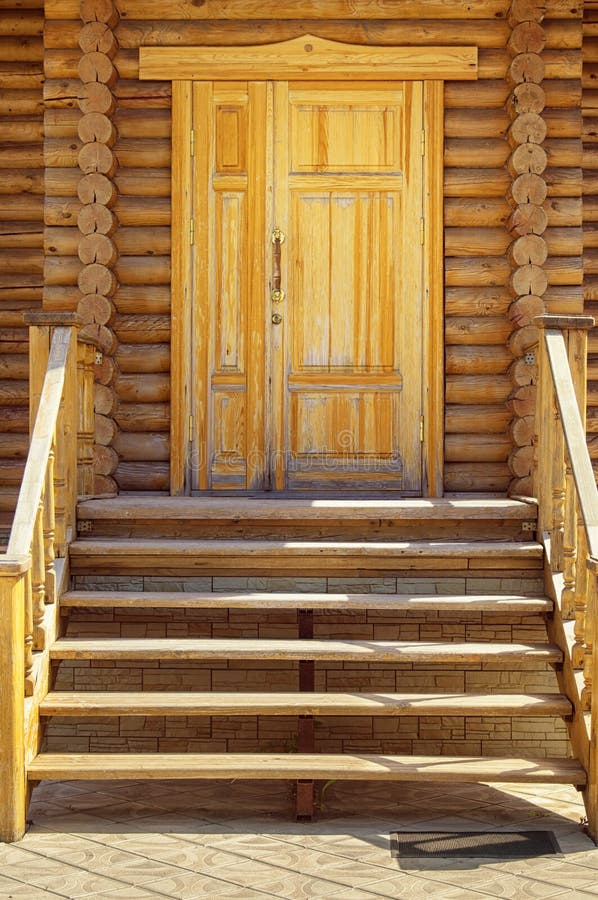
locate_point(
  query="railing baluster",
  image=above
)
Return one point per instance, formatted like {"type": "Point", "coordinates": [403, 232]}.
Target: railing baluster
{"type": "Point", "coordinates": [543, 443]}
{"type": "Point", "coordinates": [38, 581]}
{"type": "Point", "coordinates": [85, 377]}
{"type": "Point", "coordinates": [60, 488]}
{"type": "Point", "coordinates": [49, 529]}
{"type": "Point", "coordinates": [28, 629]}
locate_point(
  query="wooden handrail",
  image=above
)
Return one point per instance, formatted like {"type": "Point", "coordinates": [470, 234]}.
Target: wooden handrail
{"type": "Point", "coordinates": [59, 467]}
{"type": "Point", "coordinates": [574, 434]}
{"type": "Point", "coordinates": [32, 485]}
{"type": "Point", "coordinates": [565, 487]}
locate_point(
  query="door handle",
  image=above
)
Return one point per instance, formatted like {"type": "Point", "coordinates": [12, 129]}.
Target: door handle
{"type": "Point", "coordinates": [278, 238]}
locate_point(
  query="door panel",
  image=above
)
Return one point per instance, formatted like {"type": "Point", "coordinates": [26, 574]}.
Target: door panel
{"type": "Point", "coordinates": [323, 389]}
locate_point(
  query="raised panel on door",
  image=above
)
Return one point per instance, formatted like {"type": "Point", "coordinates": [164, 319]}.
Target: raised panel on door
{"type": "Point", "coordinates": [348, 193]}
{"type": "Point", "coordinates": [229, 287]}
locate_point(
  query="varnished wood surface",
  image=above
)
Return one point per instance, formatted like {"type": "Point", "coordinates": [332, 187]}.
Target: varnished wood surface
{"type": "Point", "coordinates": [126, 703]}
{"type": "Point", "coordinates": [257, 600]}
{"type": "Point", "coordinates": [263, 508]}
{"type": "Point", "coordinates": [295, 765]}
{"type": "Point", "coordinates": [364, 651]}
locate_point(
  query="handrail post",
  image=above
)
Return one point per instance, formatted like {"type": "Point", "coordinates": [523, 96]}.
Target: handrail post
{"type": "Point", "coordinates": [13, 779]}
{"type": "Point", "coordinates": [85, 378]}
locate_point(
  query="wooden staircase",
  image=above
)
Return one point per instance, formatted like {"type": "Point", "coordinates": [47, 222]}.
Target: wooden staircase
{"type": "Point", "coordinates": [472, 539]}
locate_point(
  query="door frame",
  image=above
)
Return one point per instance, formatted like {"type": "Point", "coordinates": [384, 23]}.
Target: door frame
{"type": "Point", "coordinates": [308, 58]}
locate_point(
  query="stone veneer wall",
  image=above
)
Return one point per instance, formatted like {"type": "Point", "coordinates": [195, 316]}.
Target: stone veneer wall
{"type": "Point", "coordinates": [425, 735]}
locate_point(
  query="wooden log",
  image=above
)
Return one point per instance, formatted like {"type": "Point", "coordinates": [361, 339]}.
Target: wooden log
{"type": "Point", "coordinates": [565, 270]}
{"type": "Point", "coordinates": [477, 301]}
{"type": "Point", "coordinates": [477, 388]}
{"type": "Point", "coordinates": [97, 279]}
{"type": "Point", "coordinates": [528, 218]}
{"type": "Point", "coordinates": [93, 308]}
{"type": "Point", "coordinates": [94, 218]}
{"type": "Point", "coordinates": [142, 476]}
{"type": "Point", "coordinates": [475, 123]}
{"type": "Point", "coordinates": [105, 402]}
{"type": "Point", "coordinates": [564, 241]}
{"type": "Point", "coordinates": [526, 11]}
{"type": "Point", "coordinates": [97, 67]}
{"type": "Point", "coordinates": [482, 212]}
{"type": "Point", "coordinates": [476, 271]}
{"type": "Point", "coordinates": [95, 126]}
{"type": "Point", "coordinates": [523, 370]}
{"type": "Point", "coordinates": [103, 337]}
{"type": "Point", "coordinates": [142, 329]}
{"type": "Point", "coordinates": [524, 309]}
{"type": "Point", "coordinates": [529, 279]}
{"type": "Point", "coordinates": [142, 447]}
{"type": "Point", "coordinates": [105, 460]}
{"type": "Point", "coordinates": [525, 67]}
{"type": "Point", "coordinates": [97, 188]}
{"type": "Point", "coordinates": [154, 358]}
{"type": "Point", "coordinates": [470, 152]}
{"type": "Point", "coordinates": [528, 188]}
{"type": "Point", "coordinates": [97, 37]}
{"type": "Point", "coordinates": [138, 300]}
{"type": "Point", "coordinates": [523, 339]}
{"type": "Point", "coordinates": [527, 128]}
{"type": "Point", "coordinates": [529, 248]}
{"type": "Point", "coordinates": [475, 182]}
{"type": "Point", "coordinates": [526, 98]}
{"type": "Point", "coordinates": [104, 486]}
{"type": "Point", "coordinates": [476, 448]}
{"type": "Point", "coordinates": [145, 124]}
{"type": "Point", "coordinates": [522, 430]}
{"type": "Point", "coordinates": [527, 37]}
{"type": "Point", "coordinates": [96, 158]}
{"type": "Point", "coordinates": [467, 476]}
{"type": "Point", "coordinates": [521, 461]}
{"type": "Point", "coordinates": [143, 270]}
{"type": "Point", "coordinates": [105, 371]}
{"type": "Point", "coordinates": [132, 182]}
{"type": "Point", "coordinates": [63, 270]}
{"type": "Point", "coordinates": [105, 430]}
{"type": "Point", "coordinates": [14, 366]}
{"type": "Point", "coordinates": [143, 416]}
{"type": "Point", "coordinates": [143, 388]}
{"type": "Point", "coordinates": [468, 242]}
{"type": "Point", "coordinates": [97, 248]}
{"type": "Point", "coordinates": [97, 11]}
{"type": "Point", "coordinates": [94, 97]}
{"type": "Point", "coordinates": [528, 158]}
{"type": "Point", "coordinates": [523, 401]}
{"type": "Point", "coordinates": [522, 487]}
{"type": "Point", "coordinates": [144, 153]}
{"type": "Point", "coordinates": [476, 331]}
{"type": "Point", "coordinates": [155, 241]}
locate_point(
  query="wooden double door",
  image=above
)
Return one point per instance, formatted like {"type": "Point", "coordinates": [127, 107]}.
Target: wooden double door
{"type": "Point", "coordinates": [307, 288]}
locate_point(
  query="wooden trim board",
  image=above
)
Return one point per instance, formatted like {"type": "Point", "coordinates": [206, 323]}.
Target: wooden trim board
{"type": "Point", "coordinates": [308, 58]}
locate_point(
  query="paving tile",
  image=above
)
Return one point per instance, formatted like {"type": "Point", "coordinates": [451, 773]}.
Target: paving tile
{"type": "Point", "coordinates": [11, 888]}
{"type": "Point", "coordinates": [187, 887]}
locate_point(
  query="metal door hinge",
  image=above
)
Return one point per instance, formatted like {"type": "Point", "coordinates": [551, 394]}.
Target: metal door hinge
{"type": "Point", "coordinates": [421, 429]}
{"type": "Point", "coordinates": [423, 142]}
{"type": "Point", "coordinates": [190, 429]}
{"type": "Point", "coordinates": [422, 231]}
{"type": "Point", "coordinates": [192, 232]}
{"type": "Point", "coordinates": [192, 142]}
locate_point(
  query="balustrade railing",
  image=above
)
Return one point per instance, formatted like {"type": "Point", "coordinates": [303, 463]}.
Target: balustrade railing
{"type": "Point", "coordinates": [58, 470]}
{"type": "Point", "coordinates": [565, 487]}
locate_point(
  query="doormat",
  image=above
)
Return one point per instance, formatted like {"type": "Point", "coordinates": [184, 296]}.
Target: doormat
{"type": "Point", "coordinates": [472, 844]}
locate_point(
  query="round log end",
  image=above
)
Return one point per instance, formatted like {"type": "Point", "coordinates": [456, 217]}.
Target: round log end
{"type": "Point", "coordinates": [529, 248]}
{"type": "Point", "coordinates": [105, 402]}
{"type": "Point", "coordinates": [95, 97]}
{"type": "Point", "coordinates": [97, 248]}
{"type": "Point", "coordinates": [523, 310]}
{"type": "Point", "coordinates": [97, 158]}
{"type": "Point", "coordinates": [97, 279]}
{"type": "Point", "coordinates": [98, 37]}
{"type": "Point", "coordinates": [95, 126]}
{"type": "Point", "coordinates": [526, 98]}
{"type": "Point", "coordinates": [528, 128]}
{"type": "Point", "coordinates": [95, 310]}
{"type": "Point", "coordinates": [521, 487]}
{"type": "Point", "coordinates": [526, 11]}
{"type": "Point", "coordinates": [521, 461]}
{"type": "Point", "coordinates": [97, 188]}
{"type": "Point", "coordinates": [94, 218]}
{"type": "Point", "coordinates": [523, 339]}
{"type": "Point", "coordinates": [528, 218]}
{"type": "Point", "coordinates": [528, 158]}
{"type": "Point", "coordinates": [522, 430]}
{"type": "Point", "coordinates": [526, 67]}
{"type": "Point", "coordinates": [528, 188]}
{"type": "Point", "coordinates": [103, 337]}
{"type": "Point", "coordinates": [527, 37]}
{"type": "Point", "coordinates": [99, 11]}
{"type": "Point", "coordinates": [104, 486]}
{"type": "Point", "coordinates": [523, 401]}
{"type": "Point", "coordinates": [97, 66]}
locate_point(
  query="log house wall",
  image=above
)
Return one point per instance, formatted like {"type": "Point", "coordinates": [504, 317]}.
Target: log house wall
{"type": "Point", "coordinates": [479, 348]}
{"type": "Point", "coordinates": [21, 227]}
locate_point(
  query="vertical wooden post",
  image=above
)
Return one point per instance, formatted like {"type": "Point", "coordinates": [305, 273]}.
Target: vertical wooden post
{"type": "Point", "coordinates": [590, 634]}
{"type": "Point", "coordinates": [85, 363]}
{"type": "Point", "coordinates": [581, 597]}
{"type": "Point", "coordinates": [71, 428]}
{"type": "Point", "coordinates": [49, 529]}
{"type": "Point", "coordinates": [544, 439]}
{"type": "Point", "coordinates": [38, 581]}
{"type": "Point", "coordinates": [558, 493]}
{"type": "Point", "coordinates": [39, 351]}
{"type": "Point", "coordinates": [28, 634]}
{"type": "Point", "coordinates": [12, 718]}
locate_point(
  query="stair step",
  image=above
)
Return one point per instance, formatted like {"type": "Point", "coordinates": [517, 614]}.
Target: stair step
{"type": "Point", "coordinates": [299, 765]}
{"type": "Point", "coordinates": [364, 651]}
{"type": "Point", "coordinates": [88, 703]}
{"type": "Point", "coordinates": [270, 509]}
{"type": "Point", "coordinates": [269, 557]}
{"type": "Point", "coordinates": [494, 603]}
